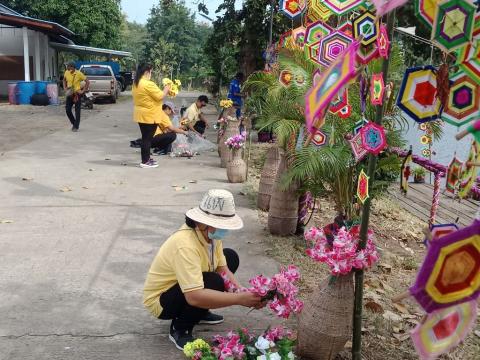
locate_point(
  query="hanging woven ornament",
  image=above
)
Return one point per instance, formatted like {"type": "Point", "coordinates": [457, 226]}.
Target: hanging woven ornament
{"type": "Point", "coordinates": [383, 43]}
{"type": "Point", "coordinates": [405, 172]}
{"type": "Point", "coordinates": [357, 148]}
{"type": "Point", "coordinates": [443, 84]}
{"type": "Point", "coordinates": [377, 89]}
{"type": "Point", "coordinates": [362, 187]}
{"type": "Point", "coordinates": [469, 171]}
{"type": "Point", "coordinates": [319, 139]}
{"type": "Point", "coordinates": [373, 138]}
{"type": "Point", "coordinates": [363, 91]}
{"type": "Point", "coordinates": [453, 174]}
{"type": "Point", "coordinates": [345, 112]}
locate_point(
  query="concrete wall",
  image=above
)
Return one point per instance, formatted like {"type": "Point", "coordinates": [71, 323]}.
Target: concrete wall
{"type": "Point", "coordinates": [43, 67]}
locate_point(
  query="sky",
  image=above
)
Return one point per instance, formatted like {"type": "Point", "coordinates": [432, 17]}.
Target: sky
{"type": "Point", "coordinates": [138, 10]}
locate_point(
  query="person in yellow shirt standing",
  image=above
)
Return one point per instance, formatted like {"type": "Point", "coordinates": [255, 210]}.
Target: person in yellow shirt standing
{"type": "Point", "coordinates": [72, 80]}
{"type": "Point", "coordinates": [147, 111]}
{"type": "Point", "coordinates": [185, 279]}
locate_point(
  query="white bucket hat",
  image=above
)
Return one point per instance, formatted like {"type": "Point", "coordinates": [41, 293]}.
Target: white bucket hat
{"type": "Point", "coordinates": [217, 209]}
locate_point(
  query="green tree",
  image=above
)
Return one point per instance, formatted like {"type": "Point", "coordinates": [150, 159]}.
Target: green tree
{"type": "Point", "coordinates": [133, 38]}
{"type": "Point", "coordinates": [175, 41]}
{"type": "Point", "coordinates": [94, 22]}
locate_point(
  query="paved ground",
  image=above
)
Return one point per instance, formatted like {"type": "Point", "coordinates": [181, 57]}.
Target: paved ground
{"type": "Point", "coordinates": [86, 223]}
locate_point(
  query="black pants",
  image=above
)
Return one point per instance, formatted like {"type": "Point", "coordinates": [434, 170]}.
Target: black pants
{"type": "Point", "coordinates": [75, 120]}
{"type": "Point", "coordinates": [175, 306]}
{"type": "Point", "coordinates": [147, 130]}
{"type": "Point", "coordinates": [163, 142]}
{"type": "Point", "coordinates": [200, 126]}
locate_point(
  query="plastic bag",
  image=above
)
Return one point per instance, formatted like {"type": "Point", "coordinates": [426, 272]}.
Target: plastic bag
{"type": "Point", "coordinates": [181, 147]}
{"type": "Point", "coordinates": [198, 144]}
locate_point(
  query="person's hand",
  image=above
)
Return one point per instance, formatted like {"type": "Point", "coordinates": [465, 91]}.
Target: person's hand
{"type": "Point", "coordinates": [167, 88]}
{"type": "Point", "coordinates": [251, 300]}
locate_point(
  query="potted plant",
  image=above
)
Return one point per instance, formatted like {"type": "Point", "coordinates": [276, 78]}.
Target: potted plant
{"type": "Point", "coordinates": [419, 175]}
{"type": "Point", "coordinates": [236, 167]}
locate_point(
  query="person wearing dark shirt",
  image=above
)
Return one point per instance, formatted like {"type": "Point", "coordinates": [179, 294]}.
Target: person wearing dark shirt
{"type": "Point", "coordinates": [235, 93]}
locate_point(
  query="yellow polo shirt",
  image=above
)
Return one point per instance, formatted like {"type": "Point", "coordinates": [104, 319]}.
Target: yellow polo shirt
{"type": "Point", "coordinates": [181, 259]}
{"type": "Point", "coordinates": [163, 126]}
{"type": "Point", "coordinates": [192, 115]}
{"type": "Point", "coordinates": [147, 102]}
{"type": "Point", "coordinates": [74, 80]}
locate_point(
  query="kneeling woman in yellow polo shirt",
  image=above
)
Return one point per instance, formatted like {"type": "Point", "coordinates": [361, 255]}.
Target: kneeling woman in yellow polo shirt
{"type": "Point", "coordinates": [184, 280]}
{"type": "Point", "coordinates": [147, 112]}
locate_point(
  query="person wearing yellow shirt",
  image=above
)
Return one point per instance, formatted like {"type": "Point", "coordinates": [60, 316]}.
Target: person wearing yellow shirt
{"type": "Point", "coordinates": [166, 133]}
{"type": "Point", "coordinates": [184, 281]}
{"type": "Point", "coordinates": [193, 118]}
{"type": "Point", "coordinates": [72, 80]}
{"type": "Point", "coordinates": [147, 111]}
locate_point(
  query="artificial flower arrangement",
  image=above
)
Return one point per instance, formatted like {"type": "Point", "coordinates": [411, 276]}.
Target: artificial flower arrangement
{"type": "Point", "coordinates": [226, 104]}
{"type": "Point", "coordinates": [279, 291]}
{"type": "Point", "coordinates": [274, 344]}
{"type": "Point", "coordinates": [174, 86]}
{"type": "Point", "coordinates": [235, 142]}
{"type": "Point", "coordinates": [340, 251]}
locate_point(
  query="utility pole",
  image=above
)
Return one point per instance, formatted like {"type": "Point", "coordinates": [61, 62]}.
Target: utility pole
{"type": "Point", "coordinates": [372, 166]}
{"type": "Point", "coordinates": [272, 13]}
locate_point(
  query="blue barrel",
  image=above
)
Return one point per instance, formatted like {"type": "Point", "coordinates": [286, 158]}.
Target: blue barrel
{"type": "Point", "coordinates": [25, 90]}
{"type": "Point", "coordinates": [41, 87]}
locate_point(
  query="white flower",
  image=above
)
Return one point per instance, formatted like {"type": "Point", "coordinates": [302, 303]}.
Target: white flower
{"type": "Point", "coordinates": [275, 356]}
{"type": "Point", "coordinates": [261, 357]}
{"type": "Point", "coordinates": [262, 344]}
{"type": "Point", "coordinates": [291, 356]}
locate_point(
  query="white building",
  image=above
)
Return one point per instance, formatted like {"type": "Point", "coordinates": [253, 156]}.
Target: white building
{"type": "Point", "coordinates": [29, 48]}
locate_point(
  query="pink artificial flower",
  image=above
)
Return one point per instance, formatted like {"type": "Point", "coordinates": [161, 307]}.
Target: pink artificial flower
{"type": "Point", "coordinates": [261, 285]}
{"type": "Point", "coordinates": [291, 273]}
{"type": "Point", "coordinates": [279, 309]}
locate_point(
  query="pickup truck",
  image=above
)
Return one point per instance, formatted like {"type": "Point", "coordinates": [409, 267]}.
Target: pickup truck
{"type": "Point", "coordinates": [124, 78]}
{"type": "Point", "coordinates": [102, 81]}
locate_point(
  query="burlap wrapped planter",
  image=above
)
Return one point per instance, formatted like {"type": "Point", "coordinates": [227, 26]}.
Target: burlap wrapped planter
{"type": "Point", "coordinates": [325, 324]}
{"type": "Point", "coordinates": [236, 167]}
{"type": "Point", "coordinates": [267, 178]}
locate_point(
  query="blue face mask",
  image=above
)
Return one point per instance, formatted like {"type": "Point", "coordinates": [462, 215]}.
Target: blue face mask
{"type": "Point", "coordinates": [218, 234]}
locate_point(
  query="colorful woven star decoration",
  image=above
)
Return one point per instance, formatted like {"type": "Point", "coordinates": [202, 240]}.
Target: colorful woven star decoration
{"type": "Point", "coordinates": [373, 138]}
{"type": "Point", "coordinates": [377, 89]}
{"type": "Point", "coordinates": [362, 187]}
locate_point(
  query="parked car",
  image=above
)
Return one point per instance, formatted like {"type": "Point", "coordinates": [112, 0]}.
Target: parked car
{"type": "Point", "coordinates": [124, 78]}
{"type": "Point", "coordinates": [102, 81]}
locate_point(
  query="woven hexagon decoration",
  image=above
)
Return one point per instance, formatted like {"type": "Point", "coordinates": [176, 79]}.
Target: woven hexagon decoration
{"type": "Point", "coordinates": [298, 35]}
{"type": "Point", "coordinates": [311, 52]}
{"type": "Point", "coordinates": [367, 53]}
{"type": "Point", "coordinates": [319, 138]}
{"type": "Point", "coordinates": [463, 101]}
{"type": "Point", "coordinates": [362, 187]}
{"type": "Point", "coordinates": [373, 138]}
{"type": "Point", "coordinates": [345, 112]}
{"type": "Point", "coordinates": [366, 27]}
{"type": "Point", "coordinates": [359, 125]}
{"type": "Point", "coordinates": [332, 46]}
{"type": "Point", "coordinates": [316, 31]}
{"type": "Point", "coordinates": [293, 8]}
{"type": "Point", "coordinates": [339, 102]}
{"type": "Point", "coordinates": [377, 89]}
{"type": "Point", "coordinates": [358, 150]}
{"type": "Point", "coordinates": [383, 43]}
{"type": "Point", "coordinates": [285, 78]}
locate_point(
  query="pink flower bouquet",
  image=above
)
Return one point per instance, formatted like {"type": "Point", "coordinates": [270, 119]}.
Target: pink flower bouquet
{"type": "Point", "coordinates": [342, 255]}
{"type": "Point", "coordinates": [235, 142]}
{"type": "Point", "coordinates": [279, 291]}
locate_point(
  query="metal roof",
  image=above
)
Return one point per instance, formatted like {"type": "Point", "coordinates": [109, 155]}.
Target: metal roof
{"type": "Point", "coordinates": [13, 18]}
{"type": "Point", "coordinates": [78, 49]}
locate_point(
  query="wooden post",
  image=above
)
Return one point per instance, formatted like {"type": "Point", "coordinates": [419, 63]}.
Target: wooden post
{"type": "Point", "coordinates": [372, 165]}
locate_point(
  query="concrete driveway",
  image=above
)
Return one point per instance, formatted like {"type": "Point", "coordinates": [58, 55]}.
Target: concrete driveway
{"type": "Point", "coordinates": [80, 223]}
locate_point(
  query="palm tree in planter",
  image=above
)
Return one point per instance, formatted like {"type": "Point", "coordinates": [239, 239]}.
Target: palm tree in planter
{"type": "Point", "coordinates": [279, 106]}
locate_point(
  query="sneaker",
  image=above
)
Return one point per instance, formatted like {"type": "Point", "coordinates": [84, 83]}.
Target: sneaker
{"type": "Point", "coordinates": [212, 319]}
{"type": "Point", "coordinates": [149, 164]}
{"type": "Point", "coordinates": [180, 338]}
{"type": "Point", "coordinates": [74, 129]}
{"type": "Point", "coordinates": [153, 161]}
